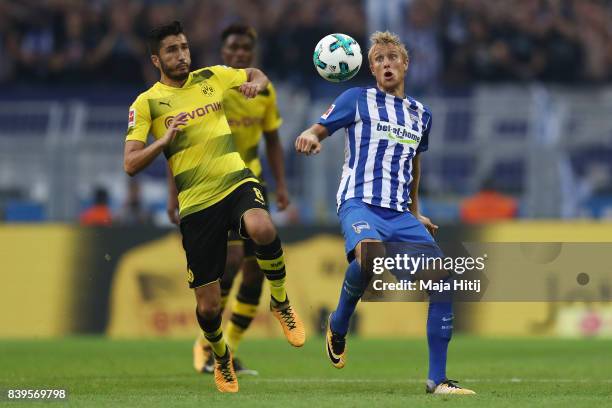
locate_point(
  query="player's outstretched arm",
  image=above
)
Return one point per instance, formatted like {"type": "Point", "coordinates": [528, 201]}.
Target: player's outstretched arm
{"type": "Point", "coordinates": [257, 81]}
{"type": "Point", "coordinates": [137, 156]}
{"type": "Point", "coordinates": [414, 196]}
{"type": "Point", "coordinates": [309, 142]}
{"type": "Point", "coordinates": [274, 152]}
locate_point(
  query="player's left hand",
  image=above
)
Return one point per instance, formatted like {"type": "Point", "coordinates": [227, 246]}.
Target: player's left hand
{"type": "Point", "coordinates": [249, 89]}
{"type": "Point", "coordinates": [282, 198]}
{"type": "Point", "coordinates": [431, 227]}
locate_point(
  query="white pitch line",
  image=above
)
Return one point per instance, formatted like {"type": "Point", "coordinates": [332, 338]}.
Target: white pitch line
{"type": "Point", "coordinates": [415, 380]}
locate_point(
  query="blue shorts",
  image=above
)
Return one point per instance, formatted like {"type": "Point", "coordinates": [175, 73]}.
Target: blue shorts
{"type": "Point", "coordinates": [360, 220]}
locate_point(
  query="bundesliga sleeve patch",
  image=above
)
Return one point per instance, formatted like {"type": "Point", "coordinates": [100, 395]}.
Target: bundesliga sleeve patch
{"type": "Point", "coordinates": [132, 118]}
{"type": "Point", "coordinates": [328, 112]}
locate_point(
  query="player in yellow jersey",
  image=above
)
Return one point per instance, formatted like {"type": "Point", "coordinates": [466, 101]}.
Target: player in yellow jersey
{"type": "Point", "coordinates": [248, 119]}
{"type": "Point", "coordinates": [216, 191]}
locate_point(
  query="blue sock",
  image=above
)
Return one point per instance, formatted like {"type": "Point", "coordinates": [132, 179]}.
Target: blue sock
{"type": "Point", "coordinates": [439, 333]}
{"type": "Point", "coordinates": [352, 289]}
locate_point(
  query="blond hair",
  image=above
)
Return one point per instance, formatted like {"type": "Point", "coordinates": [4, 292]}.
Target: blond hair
{"type": "Point", "coordinates": [387, 38]}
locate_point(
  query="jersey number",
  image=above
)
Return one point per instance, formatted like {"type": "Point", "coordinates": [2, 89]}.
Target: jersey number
{"type": "Point", "coordinates": [259, 194]}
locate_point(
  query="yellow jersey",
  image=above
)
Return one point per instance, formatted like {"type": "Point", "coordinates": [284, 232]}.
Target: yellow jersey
{"type": "Point", "coordinates": [248, 118]}
{"type": "Point", "coordinates": [203, 158]}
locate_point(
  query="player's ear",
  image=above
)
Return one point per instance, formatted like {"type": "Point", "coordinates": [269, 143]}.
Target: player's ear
{"type": "Point", "coordinates": [155, 60]}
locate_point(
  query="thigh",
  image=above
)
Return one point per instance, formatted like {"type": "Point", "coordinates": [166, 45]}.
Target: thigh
{"type": "Point", "coordinates": [410, 237]}
{"type": "Point", "coordinates": [406, 228]}
{"type": "Point", "coordinates": [205, 243]}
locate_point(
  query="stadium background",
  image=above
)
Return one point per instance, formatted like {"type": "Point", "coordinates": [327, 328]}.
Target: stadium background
{"type": "Point", "coordinates": [521, 94]}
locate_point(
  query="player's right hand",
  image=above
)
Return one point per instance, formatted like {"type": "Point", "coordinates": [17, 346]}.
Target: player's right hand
{"type": "Point", "coordinates": [174, 127]}
{"type": "Point", "coordinates": [172, 208]}
{"type": "Point", "coordinates": [307, 143]}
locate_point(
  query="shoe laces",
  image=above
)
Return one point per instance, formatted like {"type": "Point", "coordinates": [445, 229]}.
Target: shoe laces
{"type": "Point", "coordinates": [451, 383]}
{"type": "Point", "coordinates": [226, 370]}
{"type": "Point", "coordinates": [288, 317]}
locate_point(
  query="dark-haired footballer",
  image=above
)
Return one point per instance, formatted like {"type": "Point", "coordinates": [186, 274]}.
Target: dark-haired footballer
{"type": "Point", "coordinates": [216, 191]}
{"type": "Point", "coordinates": [248, 119]}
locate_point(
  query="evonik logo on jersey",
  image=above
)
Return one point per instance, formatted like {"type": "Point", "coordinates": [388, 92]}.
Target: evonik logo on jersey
{"type": "Point", "coordinates": [400, 134]}
{"type": "Point", "coordinates": [245, 121]}
{"type": "Point", "coordinates": [198, 112]}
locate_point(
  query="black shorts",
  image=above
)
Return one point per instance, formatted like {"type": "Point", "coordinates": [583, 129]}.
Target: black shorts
{"type": "Point", "coordinates": [205, 232]}
{"type": "Point", "coordinates": [234, 238]}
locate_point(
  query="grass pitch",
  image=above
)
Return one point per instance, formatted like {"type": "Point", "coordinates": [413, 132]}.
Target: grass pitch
{"type": "Point", "coordinates": [386, 373]}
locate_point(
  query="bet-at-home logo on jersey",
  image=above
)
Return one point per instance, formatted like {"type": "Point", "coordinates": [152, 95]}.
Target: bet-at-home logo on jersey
{"type": "Point", "coordinates": [400, 134]}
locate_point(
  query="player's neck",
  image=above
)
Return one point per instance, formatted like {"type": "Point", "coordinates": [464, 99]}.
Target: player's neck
{"type": "Point", "coordinates": [395, 91]}
{"type": "Point", "coordinates": [172, 82]}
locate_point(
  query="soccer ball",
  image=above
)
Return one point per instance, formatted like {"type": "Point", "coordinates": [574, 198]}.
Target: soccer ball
{"type": "Point", "coordinates": [337, 57]}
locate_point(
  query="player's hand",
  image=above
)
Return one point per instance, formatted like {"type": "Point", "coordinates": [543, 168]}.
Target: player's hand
{"type": "Point", "coordinates": [282, 198]}
{"type": "Point", "coordinates": [250, 89]}
{"type": "Point", "coordinates": [431, 227]}
{"type": "Point", "coordinates": [174, 128]}
{"type": "Point", "coordinates": [172, 208]}
{"type": "Point", "coordinates": [307, 143]}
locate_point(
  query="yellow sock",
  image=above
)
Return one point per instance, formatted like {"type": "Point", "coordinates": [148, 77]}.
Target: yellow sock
{"type": "Point", "coordinates": [272, 263]}
{"type": "Point", "coordinates": [274, 270]}
{"type": "Point", "coordinates": [202, 340]}
{"type": "Point", "coordinates": [277, 289]}
{"type": "Point", "coordinates": [242, 316]}
{"type": "Point", "coordinates": [217, 342]}
{"type": "Point", "coordinates": [224, 299]}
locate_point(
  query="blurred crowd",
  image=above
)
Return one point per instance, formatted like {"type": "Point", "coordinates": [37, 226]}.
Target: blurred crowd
{"type": "Point", "coordinates": [459, 41]}
{"type": "Point", "coordinates": [451, 42]}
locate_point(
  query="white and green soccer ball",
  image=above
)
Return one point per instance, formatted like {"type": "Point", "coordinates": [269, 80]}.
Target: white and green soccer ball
{"type": "Point", "coordinates": [337, 57]}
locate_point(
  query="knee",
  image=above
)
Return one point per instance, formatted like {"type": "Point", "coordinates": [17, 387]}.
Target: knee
{"type": "Point", "coordinates": [374, 249]}
{"type": "Point", "coordinates": [208, 310]}
{"type": "Point", "coordinates": [261, 230]}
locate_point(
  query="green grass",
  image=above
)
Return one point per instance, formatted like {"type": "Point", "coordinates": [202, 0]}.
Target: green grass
{"type": "Point", "coordinates": [504, 372]}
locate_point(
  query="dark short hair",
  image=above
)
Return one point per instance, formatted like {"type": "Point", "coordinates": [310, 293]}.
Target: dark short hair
{"type": "Point", "coordinates": [239, 29]}
{"type": "Point", "coordinates": [157, 35]}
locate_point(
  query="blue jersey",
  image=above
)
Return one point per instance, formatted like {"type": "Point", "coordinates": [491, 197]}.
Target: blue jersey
{"type": "Point", "coordinates": [383, 133]}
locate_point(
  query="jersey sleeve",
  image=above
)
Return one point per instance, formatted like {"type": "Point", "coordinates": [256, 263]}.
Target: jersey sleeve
{"type": "Point", "coordinates": [424, 145]}
{"type": "Point", "coordinates": [272, 119]}
{"type": "Point", "coordinates": [342, 112]}
{"type": "Point", "coordinates": [228, 77]}
{"type": "Point", "coordinates": [139, 121]}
